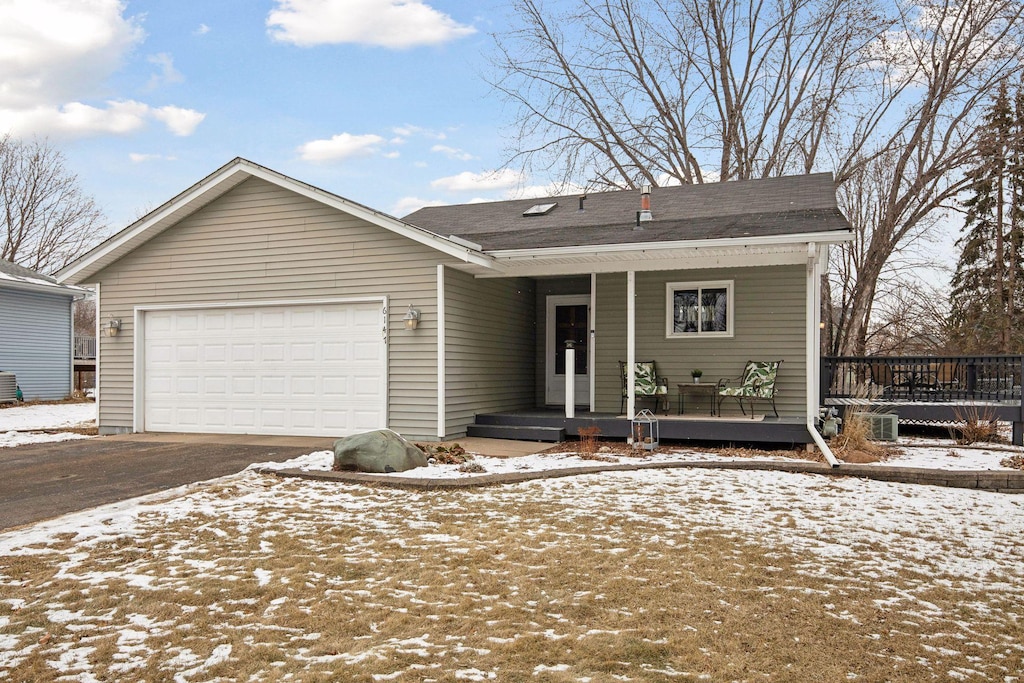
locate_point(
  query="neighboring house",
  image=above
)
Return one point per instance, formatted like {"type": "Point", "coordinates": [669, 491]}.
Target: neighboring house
{"type": "Point", "coordinates": [36, 337]}
{"type": "Point", "coordinates": [255, 303]}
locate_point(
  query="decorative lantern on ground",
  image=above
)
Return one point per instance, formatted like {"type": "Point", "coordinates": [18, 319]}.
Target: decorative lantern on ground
{"type": "Point", "coordinates": [644, 430]}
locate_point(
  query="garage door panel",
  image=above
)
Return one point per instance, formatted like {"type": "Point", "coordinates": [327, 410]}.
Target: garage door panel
{"type": "Point", "coordinates": [313, 370]}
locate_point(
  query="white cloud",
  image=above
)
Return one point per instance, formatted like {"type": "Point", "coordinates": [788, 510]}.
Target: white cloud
{"type": "Point", "coordinates": [452, 153]}
{"type": "Point", "coordinates": [52, 50]}
{"type": "Point", "coordinates": [341, 146]}
{"type": "Point", "coordinates": [137, 158]}
{"type": "Point", "coordinates": [410, 131]}
{"type": "Point", "coordinates": [56, 55]}
{"type": "Point", "coordinates": [78, 119]}
{"type": "Point", "coordinates": [202, 30]}
{"type": "Point", "coordinates": [474, 182]}
{"type": "Point", "coordinates": [549, 190]}
{"type": "Point", "coordinates": [168, 74]}
{"type": "Point", "coordinates": [181, 122]}
{"type": "Point", "coordinates": [385, 23]}
{"type": "Point", "coordinates": [407, 205]}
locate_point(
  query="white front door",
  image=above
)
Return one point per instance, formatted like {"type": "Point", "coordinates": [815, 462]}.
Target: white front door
{"type": "Point", "coordinates": [568, 317]}
{"type": "Point", "coordinates": [305, 369]}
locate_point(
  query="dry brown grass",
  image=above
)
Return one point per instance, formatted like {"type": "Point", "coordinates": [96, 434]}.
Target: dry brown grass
{"type": "Point", "coordinates": [854, 444]}
{"type": "Point", "coordinates": [975, 425]}
{"type": "Point", "coordinates": [523, 587]}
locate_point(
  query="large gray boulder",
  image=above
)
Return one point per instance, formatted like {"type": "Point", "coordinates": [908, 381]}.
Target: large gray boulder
{"type": "Point", "coordinates": [379, 452]}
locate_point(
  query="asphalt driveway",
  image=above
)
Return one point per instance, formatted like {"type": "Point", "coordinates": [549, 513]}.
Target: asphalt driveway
{"type": "Point", "coordinates": [41, 481]}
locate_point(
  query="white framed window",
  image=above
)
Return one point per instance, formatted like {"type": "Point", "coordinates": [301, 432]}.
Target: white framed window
{"type": "Point", "coordinates": [699, 310]}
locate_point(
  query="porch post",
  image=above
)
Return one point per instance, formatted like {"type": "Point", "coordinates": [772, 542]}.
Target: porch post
{"type": "Point", "coordinates": [631, 345]}
{"type": "Point", "coordinates": [570, 379]}
{"type": "Point", "coordinates": [592, 347]}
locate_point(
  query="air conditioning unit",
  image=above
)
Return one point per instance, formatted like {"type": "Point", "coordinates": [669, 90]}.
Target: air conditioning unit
{"type": "Point", "coordinates": [8, 387]}
{"type": "Point", "coordinates": [884, 426]}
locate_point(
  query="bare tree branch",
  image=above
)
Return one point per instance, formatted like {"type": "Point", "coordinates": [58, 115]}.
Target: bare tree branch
{"type": "Point", "coordinates": [46, 219]}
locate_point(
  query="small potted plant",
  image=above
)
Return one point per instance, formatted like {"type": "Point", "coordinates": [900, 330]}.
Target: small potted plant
{"type": "Point", "coordinates": [696, 375]}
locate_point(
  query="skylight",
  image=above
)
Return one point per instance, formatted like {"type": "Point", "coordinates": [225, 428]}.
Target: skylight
{"type": "Point", "coordinates": [540, 209]}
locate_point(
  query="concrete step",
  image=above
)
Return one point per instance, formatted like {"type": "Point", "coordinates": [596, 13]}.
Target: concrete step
{"type": "Point", "coordinates": [517, 433]}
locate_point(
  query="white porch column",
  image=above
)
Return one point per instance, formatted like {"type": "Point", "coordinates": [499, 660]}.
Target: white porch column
{"type": "Point", "coordinates": [570, 381]}
{"type": "Point", "coordinates": [631, 345]}
{"type": "Point", "coordinates": [592, 347]}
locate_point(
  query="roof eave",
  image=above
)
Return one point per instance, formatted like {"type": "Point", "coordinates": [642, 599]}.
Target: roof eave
{"type": "Point", "coordinates": [831, 236]}
{"type": "Point", "coordinates": [42, 288]}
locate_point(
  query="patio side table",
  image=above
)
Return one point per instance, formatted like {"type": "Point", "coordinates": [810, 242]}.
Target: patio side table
{"type": "Point", "coordinates": [708, 390]}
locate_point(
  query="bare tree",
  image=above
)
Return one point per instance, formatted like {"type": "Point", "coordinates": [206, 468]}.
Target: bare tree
{"type": "Point", "coordinates": [622, 92]}
{"type": "Point", "coordinates": [47, 221]}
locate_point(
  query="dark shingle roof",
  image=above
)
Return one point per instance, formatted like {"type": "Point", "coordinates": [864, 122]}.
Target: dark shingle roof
{"type": "Point", "coordinates": [737, 209]}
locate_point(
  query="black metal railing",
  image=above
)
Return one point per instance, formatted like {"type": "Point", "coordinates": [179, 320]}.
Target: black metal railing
{"type": "Point", "coordinates": [85, 348]}
{"type": "Point", "coordinates": [927, 379]}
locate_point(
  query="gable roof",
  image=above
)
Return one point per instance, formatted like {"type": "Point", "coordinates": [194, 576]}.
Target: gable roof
{"type": "Point", "coordinates": [219, 183]}
{"type": "Point", "coordinates": [13, 276]}
{"type": "Point", "coordinates": [775, 207]}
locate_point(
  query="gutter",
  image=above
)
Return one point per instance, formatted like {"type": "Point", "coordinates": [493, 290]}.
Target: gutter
{"type": "Point", "coordinates": [820, 443]}
{"type": "Point", "coordinates": [789, 240]}
{"type": "Point", "coordinates": [816, 257]}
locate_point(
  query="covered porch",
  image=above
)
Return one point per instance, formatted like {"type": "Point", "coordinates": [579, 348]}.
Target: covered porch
{"type": "Point", "coordinates": [552, 425]}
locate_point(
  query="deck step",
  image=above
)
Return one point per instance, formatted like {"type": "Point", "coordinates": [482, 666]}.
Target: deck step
{"type": "Point", "coordinates": [517, 433]}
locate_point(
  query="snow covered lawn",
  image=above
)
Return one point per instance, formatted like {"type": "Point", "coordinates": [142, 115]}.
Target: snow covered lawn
{"type": "Point", "coordinates": [38, 423]}
{"type": "Point", "coordinates": [642, 576]}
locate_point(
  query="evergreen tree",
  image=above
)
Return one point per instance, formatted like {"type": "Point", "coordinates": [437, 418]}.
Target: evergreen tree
{"type": "Point", "coordinates": [987, 295]}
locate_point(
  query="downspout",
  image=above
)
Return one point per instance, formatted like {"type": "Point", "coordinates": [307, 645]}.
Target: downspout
{"type": "Point", "coordinates": [814, 263]}
{"type": "Point", "coordinates": [442, 367]}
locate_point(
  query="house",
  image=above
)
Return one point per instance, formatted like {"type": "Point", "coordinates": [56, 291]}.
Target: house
{"type": "Point", "coordinates": [255, 303]}
{"type": "Point", "coordinates": [36, 335]}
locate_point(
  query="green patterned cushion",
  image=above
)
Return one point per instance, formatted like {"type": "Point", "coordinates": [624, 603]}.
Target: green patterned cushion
{"type": "Point", "coordinates": [758, 381]}
{"type": "Point", "coordinates": [645, 378]}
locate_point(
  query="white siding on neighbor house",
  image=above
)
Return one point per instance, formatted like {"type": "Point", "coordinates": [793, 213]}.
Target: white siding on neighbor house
{"type": "Point", "coordinates": [35, 342]}
{"type": "Point", "coordinates": [489, 347]}
{"type": "Point", "coordinates": [770, 324]}
{"type": "Point", "coordinates": [261, 242]}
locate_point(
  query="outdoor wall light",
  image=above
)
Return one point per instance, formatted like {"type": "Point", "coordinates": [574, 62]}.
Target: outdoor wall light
{"type": "Point", "coordinates": [113, 327]}
{"type": "Point", "coordinates": [412, 318]}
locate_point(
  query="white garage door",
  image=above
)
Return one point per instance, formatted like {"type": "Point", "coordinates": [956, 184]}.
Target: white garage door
{"type": "Point", "coordinates": [314, 370]}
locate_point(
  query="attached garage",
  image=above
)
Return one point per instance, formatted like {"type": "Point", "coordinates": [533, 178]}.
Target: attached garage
{"type": "Point", "coordinates": [312, 369]}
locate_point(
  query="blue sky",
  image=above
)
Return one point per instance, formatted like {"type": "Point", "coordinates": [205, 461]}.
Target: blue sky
{"type": "Point", "coordinates": [381, 101]}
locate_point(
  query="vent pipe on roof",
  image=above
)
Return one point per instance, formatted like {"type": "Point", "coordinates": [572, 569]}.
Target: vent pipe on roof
{"type": "Point", "coordinates": [583, 198]}
{"type": "Point", "coordinates": [645, 203]}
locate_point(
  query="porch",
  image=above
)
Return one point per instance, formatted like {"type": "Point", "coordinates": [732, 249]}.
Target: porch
{"type": "Point", "coordinates": [551, 425]}
{"type": "Point", "coordinates": [928, 388]}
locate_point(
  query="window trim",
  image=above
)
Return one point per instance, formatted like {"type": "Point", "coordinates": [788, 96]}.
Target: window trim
{"type": "Point", "coordinates": [672, 287]}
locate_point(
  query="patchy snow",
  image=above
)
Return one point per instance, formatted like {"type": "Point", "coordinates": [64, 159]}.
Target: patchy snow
{"type": "Point", "coordinates": [926, 454]}
{"type": "Point", "coordinates": [946, 455]}
{"type": "Point", "coordinates": [21, 425]}
{"type": "Point", "coordinates": [965, 538]}
{"type": "Point", "coordinates": [47, 416]}
{"type": "Point", "coordinates": [24, 438]}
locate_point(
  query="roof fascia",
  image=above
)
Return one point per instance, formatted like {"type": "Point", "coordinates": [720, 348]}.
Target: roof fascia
{"type": "Point", "coordinates": [729, 242]}
{"type": "Point", "coordinates": [57, 289]}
